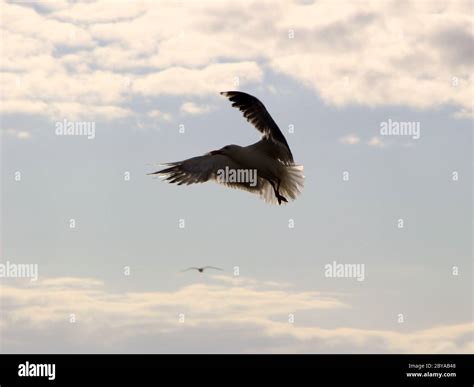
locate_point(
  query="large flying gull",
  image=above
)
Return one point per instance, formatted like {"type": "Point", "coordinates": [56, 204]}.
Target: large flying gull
{"type": "Point", "coordinates": [265, 168]}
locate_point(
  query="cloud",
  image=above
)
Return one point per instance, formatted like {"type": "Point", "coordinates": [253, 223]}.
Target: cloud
{"type": "Point", "coordinates": [385, 59]}
{"type": "Point", "coordinates": [60, 296]}
{"type": "Point", "coordinates": [376, 142]}
{"type": "Point", "coordinates": [100, 12]}
{"type": "Point", "coordinates": [27, 22]}
{"type": "Point", "coordinates": [354, 139]}
{"type": "Point", "coordinates": [195, 109]}
{"type": "Point", "coordinates": [47, 5]}
{"type": "Point", "coordinates": [464, 113]}
{"type": "Point", "coordinates": [455, 338]}
{"type": "Point", "coordinates": [231, 308]}
{"type": "Point", "coordinates": [59, 110]}
{"type": "Point", "coordinates": [459, 54]}
{"type": "Point", "coordinates": [249, 282]}
{"type": "Point", "coordinates": [160, 115]}
{"type": "Point", "coordinates": [19, 134]}
{"type": "Point", "coordinates": [58, 94]}
{"type": "Point", "coordinates": [350, 139]}
{"type": "Point", "coordinates": [208, 80]}
{"type": "Point", "coordinates": [387, 54]}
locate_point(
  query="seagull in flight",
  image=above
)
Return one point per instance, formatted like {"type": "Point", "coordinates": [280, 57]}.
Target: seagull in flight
{"type": "Point", "coordinates": [265, 168]}
{"type": "Point", "coordinates": [201, 269]}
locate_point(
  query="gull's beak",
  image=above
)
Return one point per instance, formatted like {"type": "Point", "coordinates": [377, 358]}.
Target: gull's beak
{"type": "Point", "coordinates": [215, 152]}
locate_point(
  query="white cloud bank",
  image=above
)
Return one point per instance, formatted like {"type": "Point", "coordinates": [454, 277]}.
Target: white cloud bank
{"type": "Point", "coordinates": [79, 59]}
{"type": "Point", "coordinates": [247, 315]}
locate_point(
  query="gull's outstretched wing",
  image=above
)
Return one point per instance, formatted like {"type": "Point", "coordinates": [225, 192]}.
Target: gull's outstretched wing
{"type": "Point", "coordinates": [190, 268]}
{"type": "Point", "coordinates": [256, 113]}
{"type": "Point", "coordinates": [196, 169]}
{"type": "Point", "coordinates": [212, 267]}
{"type": "Point", "coordinates": [206, 168]}
{"type": "Point", "coordinates": [210, 167]}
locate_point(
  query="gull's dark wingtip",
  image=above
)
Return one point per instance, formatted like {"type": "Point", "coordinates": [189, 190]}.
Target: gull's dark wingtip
{"type": "Point", "coordinates": [229, 93]}
{"type": "Point", "coordinates": [162, 170]}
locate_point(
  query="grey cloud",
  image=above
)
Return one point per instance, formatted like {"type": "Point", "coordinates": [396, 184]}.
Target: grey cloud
{"type": "Point", "coordinates": [456, 44]}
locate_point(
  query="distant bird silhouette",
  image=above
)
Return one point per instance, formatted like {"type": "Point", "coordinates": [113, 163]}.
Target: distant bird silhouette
{"type": "Point", "coordinates": [201, 269]}
{"type": "Point", "coordinates": [275, 176]}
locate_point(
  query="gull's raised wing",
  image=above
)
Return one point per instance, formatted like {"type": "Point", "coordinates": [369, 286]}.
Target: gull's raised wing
{"type": "Point", "coordinates": [256, 113]}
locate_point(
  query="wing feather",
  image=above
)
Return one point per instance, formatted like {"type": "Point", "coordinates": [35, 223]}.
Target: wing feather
{"type": "Point", "coordinates": [196, 169]}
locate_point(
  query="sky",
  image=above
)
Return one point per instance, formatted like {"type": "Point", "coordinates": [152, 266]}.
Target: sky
{"type": "Point", "coordinates": [106, 238]}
